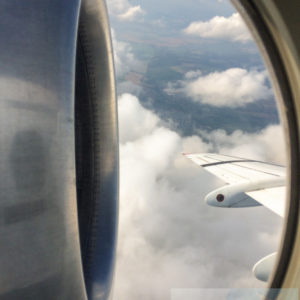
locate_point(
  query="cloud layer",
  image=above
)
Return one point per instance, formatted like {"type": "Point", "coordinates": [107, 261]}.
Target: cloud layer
{"type": "Point", "coordinates": [232, 87]}
{"type": "Point", "coordinates": [131, 13]}
{"type": "Point", "coordinates": [125, 62]}
{"type": "Point", "coordinates": [123, 10]}
{"type": "Point", "coordinates": [168, 237]}
{"type": "Point", "coordinates": [232, 28]}
{"type": "Point", "coordinates": [134, 121]}
{"type": "Point", "coordinates": [259, 145]}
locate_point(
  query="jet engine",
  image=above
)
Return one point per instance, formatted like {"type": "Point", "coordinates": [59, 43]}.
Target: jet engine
{"type": "Point", "coordinates": [58, 150]}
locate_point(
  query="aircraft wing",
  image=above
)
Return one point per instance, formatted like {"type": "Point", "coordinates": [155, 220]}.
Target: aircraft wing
{"type": "Point", "coordinates": [249, 182]}
{"type": "Point", "coordinates": [272, 198]}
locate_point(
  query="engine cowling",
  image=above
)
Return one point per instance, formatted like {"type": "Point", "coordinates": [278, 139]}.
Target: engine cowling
{"type": "Point", "coordinates": [235, 195]}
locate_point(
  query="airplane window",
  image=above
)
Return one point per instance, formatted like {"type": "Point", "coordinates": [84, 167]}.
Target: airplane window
{"type": "Point", "coordinates": [202, 153]}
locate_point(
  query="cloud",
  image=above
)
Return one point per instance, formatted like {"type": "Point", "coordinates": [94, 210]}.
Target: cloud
{"type": "Point", "coordinates": [259, 145]}
{"type": "Point", "coordinates": [168, 237]}
{"type": "Point", "coordinates": [123, 10]}
{"type": "Point", "coordinates": [132, 115]}
{"type": "Point", "coordinates": [124, 58]}
{"type": "Point", "coordinates": [232, 87]}
{"type": "Point", "coordinates": [131, 13]}
{"type": "Point", "coordinates": [232, 28]}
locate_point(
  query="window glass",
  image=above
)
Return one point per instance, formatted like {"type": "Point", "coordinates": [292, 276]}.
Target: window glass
{"type": "Point", "coordinates": [190, 79]}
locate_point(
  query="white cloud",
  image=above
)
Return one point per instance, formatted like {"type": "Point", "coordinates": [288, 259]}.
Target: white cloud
{"type": "Point", "coordinates": [192, 74]}
{"type": "Point", "coordinates": [117, 6]}
{"type": "Point", "coordinates": [123, 10]}
{"type": "Point", "coordinates": [134, 120]}
{"type": "Point", "coordinates": [125, 60]}
{"type": "Point", "coordinates": [259, 146]}
{"type": "Point", "coordinates": [131, 13]}
{"type": "Point", "coordinates": [123, 56]}
{"type": "Point", "coordinates": [231, 28]}
{"type": "Point", "coordinates": [168, 237]}
{"type": "Point", "coordinates": [232, 87]}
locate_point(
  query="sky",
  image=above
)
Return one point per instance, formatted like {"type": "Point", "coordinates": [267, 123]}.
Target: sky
{"type": "Point", "coordinates": [169, 239]}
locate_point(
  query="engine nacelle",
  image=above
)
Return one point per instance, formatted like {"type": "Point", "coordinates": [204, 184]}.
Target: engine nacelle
{"type": "Point", "coordinates": [263, 268]}
{"type": "Point", "coordinates": [235, 195]}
